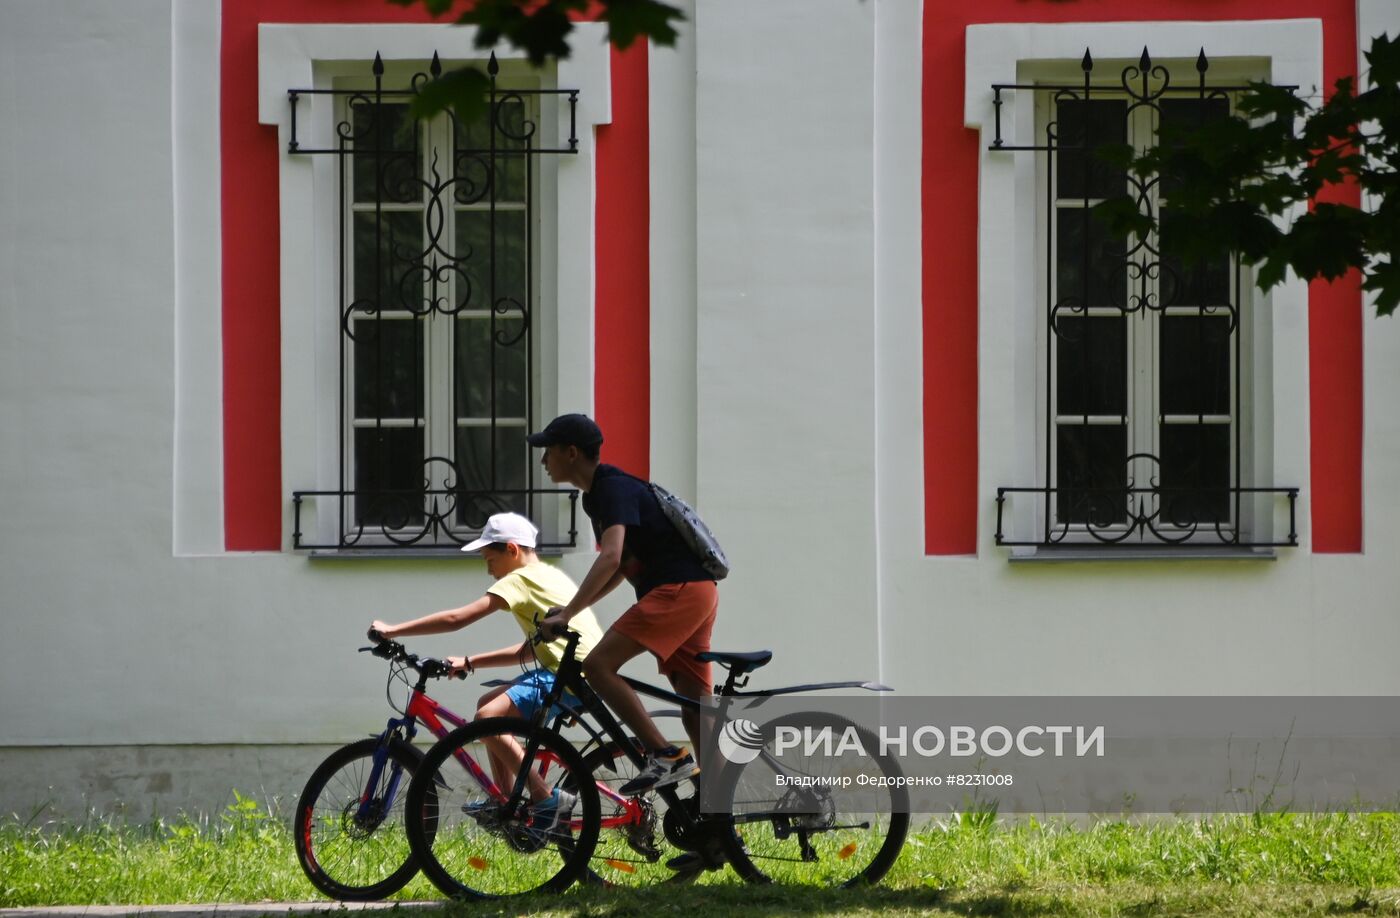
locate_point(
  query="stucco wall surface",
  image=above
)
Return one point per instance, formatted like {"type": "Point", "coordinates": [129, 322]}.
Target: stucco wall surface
{"type": "Point", "coordinates": [785, 266]}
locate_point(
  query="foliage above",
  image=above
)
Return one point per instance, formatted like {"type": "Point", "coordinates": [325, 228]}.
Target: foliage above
{"type": "Point", "coordinates": [541, 29]}
{"type": "Point", "coordinates": [1276, 155]}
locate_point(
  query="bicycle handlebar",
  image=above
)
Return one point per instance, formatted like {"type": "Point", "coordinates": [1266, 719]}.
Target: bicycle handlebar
{"type": "Point", "coordinates": [570, 636]}
{"type": "Point", "coordinates": [429, 667]}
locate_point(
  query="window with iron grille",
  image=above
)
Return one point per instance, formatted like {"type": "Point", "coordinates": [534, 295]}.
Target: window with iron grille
{"type": "Point", "coordinates": [1145, 356]}
{"type": "Point", "coordinates": [438, 315]}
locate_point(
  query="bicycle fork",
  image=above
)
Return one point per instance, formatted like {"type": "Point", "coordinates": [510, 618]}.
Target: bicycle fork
{"type": "Point", "coordinates": [372, 807]}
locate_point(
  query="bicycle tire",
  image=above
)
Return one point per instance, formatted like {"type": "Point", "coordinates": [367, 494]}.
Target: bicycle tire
{"type": "Point", "coordinates": [344, 855]}
{"type": "Point", "coordinates": [472, 851]}
{"type": "Point", "coordinates": [826, 836]}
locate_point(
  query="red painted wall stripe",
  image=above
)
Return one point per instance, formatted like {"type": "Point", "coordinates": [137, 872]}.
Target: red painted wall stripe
{"type": "Point", "coordinates": [254, 493]}
{"type": "Point", "coordinates": [251, 333]}
{"type": "Point", "coordinates": [622, 293]}
{"type": "Point", "coordinates": [1336, 393]}
{"type": "Point", "coordinates": [949, 203]}
{"type": "Point", "coordinates": [950, 309]}
{"type": "Point", "coordinates": [253, 487]}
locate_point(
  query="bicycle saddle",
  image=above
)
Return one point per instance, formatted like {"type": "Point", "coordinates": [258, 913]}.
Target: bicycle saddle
{"type": "Point", "coordinates": [740, 663]}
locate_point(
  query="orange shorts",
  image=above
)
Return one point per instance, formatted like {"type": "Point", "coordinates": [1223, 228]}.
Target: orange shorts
{"type": "Point", "coordinates": [674, 622]}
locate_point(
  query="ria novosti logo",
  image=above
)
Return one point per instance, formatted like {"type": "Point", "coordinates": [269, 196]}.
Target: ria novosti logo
{"type": "Point", "coordinates": [740, 741]}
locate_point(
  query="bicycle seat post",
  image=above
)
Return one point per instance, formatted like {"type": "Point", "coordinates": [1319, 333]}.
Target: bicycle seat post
{"type": "Point", "coordinates": [734, 682]}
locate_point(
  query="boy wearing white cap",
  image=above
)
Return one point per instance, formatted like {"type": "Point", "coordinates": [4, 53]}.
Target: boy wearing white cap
{"type": "Point", "coordinates": [529, 588]}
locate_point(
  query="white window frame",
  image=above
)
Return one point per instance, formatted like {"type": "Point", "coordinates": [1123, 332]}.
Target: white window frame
{"type": "Point", "coordinates": [1012, 277]}
{"type": "Point", "coordinates": [439, 357]}
{"type": "Point", "coordinates": [300, 56]}
{"type": "Point", "coordinates": [1142, 361]}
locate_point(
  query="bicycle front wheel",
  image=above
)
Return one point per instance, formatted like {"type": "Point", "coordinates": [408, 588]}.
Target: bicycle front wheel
{"type": "Point", "coordinates": [469, 839]}
{"type": "Point", "coordinates": [794, 819]}
{"type": "Point", "coordinates": [348, 827]}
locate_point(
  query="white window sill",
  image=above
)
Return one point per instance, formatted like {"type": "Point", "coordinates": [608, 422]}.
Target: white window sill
{"type": "Point", "coordinates": [407, 554]}
{"type": "Point", "coordinates": [1065, 553]}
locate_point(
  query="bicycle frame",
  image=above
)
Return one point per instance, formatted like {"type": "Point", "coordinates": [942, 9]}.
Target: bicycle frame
{"type": "Point", "coordinates": [421, 708]}
{"type": "Point", "coordinates": [570, 678]}
{"type": "Point", "coordinates": [380, 790]}
{"type": "Point", "coordinates": [424, 709]}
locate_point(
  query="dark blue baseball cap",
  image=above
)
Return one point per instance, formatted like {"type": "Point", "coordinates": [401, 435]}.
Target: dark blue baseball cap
{"type": "Point", "coordinates": [568, 430]}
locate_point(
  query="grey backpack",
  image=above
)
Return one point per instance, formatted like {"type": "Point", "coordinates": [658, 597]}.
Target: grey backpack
{"type": "Point", "coordinates": [693, 532]}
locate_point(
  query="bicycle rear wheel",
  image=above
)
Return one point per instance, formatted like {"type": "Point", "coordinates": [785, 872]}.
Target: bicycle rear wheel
{"type": "Point", "coordinates": [348, 827]}
{"type": "Point", "coordinates": [466, 838]}
{"type": "Point", "coordinates": [789, 829]}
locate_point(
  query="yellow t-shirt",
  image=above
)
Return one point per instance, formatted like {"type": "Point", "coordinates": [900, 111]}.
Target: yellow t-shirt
{"type": "Point", "coordinates": [532, 591]}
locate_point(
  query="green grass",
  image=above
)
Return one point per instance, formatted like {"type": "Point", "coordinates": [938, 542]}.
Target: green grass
{"type": "Point", "coordinates": [1237, 865]}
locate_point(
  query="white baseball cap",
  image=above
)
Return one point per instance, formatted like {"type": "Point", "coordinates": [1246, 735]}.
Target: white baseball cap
{"type": "Point", "coordinates": [505, 527]}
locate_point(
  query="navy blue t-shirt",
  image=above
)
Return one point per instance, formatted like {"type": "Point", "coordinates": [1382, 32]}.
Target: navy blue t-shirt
{"type": "Point", "coordinates": [652, 551]}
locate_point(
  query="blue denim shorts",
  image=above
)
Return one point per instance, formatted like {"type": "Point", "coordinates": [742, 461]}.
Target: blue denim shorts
{"type": "Point", "coordinates": [527, 691]}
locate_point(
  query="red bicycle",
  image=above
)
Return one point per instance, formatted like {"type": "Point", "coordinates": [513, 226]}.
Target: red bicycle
{"type": "Point", "coordinates": [349, 821]}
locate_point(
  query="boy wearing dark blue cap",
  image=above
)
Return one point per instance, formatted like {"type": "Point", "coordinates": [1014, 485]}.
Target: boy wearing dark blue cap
{"type": "Point", "coordinates": [676, 597]}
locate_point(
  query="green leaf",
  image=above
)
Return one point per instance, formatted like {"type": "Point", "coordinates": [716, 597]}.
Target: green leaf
{"type": "Point", "coordinates": [629, 20]}
{"type": "Point", "coordinates": [1122, 216]}
{"type": "Point", "coordinates": [1117, 155]}
{"type": "Point", "coordinates": [463, 90]}
{"type": "Point", "coordinates": [1383, 57]}
{"type": "Point", "coordinates": [434, 7]}
{"type": "Point", "coordinates": [542, 33]}
{"type": "Point", "coordinates": [1328, 242]}
{"type": "Point", "coordinates": [542, 29]}
{"type": "Point", "coordinates": [1272, 272]}
{"type": "Point", "coordinates": [1383, 278]}
{"type": "Point", "coordinates": [1264, 100]}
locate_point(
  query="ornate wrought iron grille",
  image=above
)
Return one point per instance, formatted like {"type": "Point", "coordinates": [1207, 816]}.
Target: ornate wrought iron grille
{"type": "Point", "coordinates": [1143, 439]}
{"type": "Point", "coordinates": [436, 314]}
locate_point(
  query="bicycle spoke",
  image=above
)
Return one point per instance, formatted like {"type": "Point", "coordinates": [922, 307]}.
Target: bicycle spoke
{"type": "Point", "coordinates": [820, 833]}
{"type": "Point", "coordinates": [481, 846]}
{"type": "Point", "coordinates": [349, 838]}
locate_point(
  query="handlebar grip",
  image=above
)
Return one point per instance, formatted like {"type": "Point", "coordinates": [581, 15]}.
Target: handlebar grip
{"type": "Point", "coordinates": [568, 634]}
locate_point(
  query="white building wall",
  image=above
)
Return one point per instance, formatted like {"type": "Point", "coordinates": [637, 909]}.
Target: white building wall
{"type": "Point", "coordinates": [1303, 624]}
{"type": "Point", "coordinates": [1381, 366]}
{"type": "Point", "coordinates": [786, 347]}
{"type": "Point", "coordinates": [810, 402]}
{"type": "Point", "coordinates": [671, 111]}
{"type": "Point", "coordinates": [125, 622]}
{"type": "Point", "coordinates": [87, 392]}
{"type": "Point", "coordinates": [785, 260]}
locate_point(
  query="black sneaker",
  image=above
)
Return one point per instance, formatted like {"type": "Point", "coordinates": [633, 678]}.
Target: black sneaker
{"type": "Point", "coordinates": [686, 862]}
{"type": "Point", "coordinates": [660, 771]}
{"type": "Point", "coordinates": [695, 861]}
